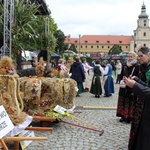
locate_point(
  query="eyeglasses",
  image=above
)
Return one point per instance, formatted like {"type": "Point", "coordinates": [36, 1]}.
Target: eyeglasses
{"type": "Point", "coordinates": [140, 56]}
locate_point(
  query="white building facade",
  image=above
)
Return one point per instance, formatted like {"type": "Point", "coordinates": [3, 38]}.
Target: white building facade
{"type": "Point", "coordinates": [141, 35]}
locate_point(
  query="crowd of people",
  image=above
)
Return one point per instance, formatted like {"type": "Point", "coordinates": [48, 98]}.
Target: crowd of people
{"type": "Point", "coordinates": [133, 97]}
{"type": "Point", "coordinates": [102, 80]}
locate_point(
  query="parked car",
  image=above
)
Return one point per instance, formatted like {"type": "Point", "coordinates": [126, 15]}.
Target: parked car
{"type": "Point", "coordinates": [69, 52]}
{"type": "Point", "coordinates": [124, 54]}
{"type": "Point", "coordinates": [28, 55]}
{"type": "Point", "coordinates": [115, 56]}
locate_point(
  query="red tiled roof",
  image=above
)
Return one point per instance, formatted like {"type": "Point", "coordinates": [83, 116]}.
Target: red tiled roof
{"type": "Point", "coordinates": [71, 40]}
{"type": "Point", "coordinates": [100, 39]}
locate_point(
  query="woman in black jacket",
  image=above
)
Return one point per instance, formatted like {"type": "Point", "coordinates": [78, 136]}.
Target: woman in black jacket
{"type": "Point", "coordinates": [126, 97]}
{"type": "Point", "coordinates": [96, 87]}
{"type": "Point", "coordinates": [78, 74]}
{"type": "Point", "coordinates": [140, 127]}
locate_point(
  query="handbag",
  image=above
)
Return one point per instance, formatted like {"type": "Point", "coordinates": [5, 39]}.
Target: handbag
{"type": "Point", "coordinates": [122, 84]}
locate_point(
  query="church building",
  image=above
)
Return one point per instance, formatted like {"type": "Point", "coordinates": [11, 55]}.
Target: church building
{"type": "Point", "coordinates": [141, 35]}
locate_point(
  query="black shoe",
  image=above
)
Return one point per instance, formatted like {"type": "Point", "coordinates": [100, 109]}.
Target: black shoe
{"type": "Point", "coordinates": [127, 120]}
{"type": "Point", "coordinates": [97, 96]}
{"type": "Point", "coordinates": [77, 95]}
{"type": "Point", "coordinates": [108, 95]}
{"type": "Point", "coordinates": [121, 120]}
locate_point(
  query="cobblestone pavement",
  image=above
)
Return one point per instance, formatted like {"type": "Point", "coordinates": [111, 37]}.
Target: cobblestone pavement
{"type": "Point", "coordinates": [69, 137]}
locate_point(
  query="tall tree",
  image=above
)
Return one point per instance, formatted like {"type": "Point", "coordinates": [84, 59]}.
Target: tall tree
{"type": "Point", "coordinates": [25, 23]}
{"type": "Point", "coordinates": [73, 48]}
{"type": "Point", "coordinates": [59, 35]}
{"type": "Point", "coordinates": [28, 31]}
{"type": "Point", "coordinates": [115, 49]}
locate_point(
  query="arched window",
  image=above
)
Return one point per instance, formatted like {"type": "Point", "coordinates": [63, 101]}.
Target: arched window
{"type": "Point", "coordinates": [144, 22]}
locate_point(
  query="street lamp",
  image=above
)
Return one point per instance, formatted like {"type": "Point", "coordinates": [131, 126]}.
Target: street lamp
{"type": "Point", "coordinates": [79, 44]}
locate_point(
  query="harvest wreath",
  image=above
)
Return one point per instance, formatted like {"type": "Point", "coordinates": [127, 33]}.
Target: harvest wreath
{"type": "Point", "coordinates": [33, 94]}
{"type": "Point", "coordinates": [9, 91]}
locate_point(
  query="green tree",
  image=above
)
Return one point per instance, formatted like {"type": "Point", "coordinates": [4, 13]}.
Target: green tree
{"type": "Point", "coordinates": [73, 48]}
{"type": "Point", "coordinates": [28, 32]}
{"type": "Point", "coordinates": [28, 29]}
{"type": "Point", "coordinates": [115, 49]}
{"type": "Point", "coordinates": [59, 35]}
{"type": "Point", "coordinates": [53, 25]}
{"type": "Point", "coordinates": [53, 29]}
{"type": "Point", "coordinates": [24, 28]}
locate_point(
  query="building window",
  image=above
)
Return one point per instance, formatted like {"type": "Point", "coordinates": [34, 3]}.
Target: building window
{"type": "Point", "coordinates": [108, 41]}
{"type": "Point", "coordinates": [86, 46]}
{"type": "Point", "coordinates": [144, 22]}
{"type": "Point", "coordinates": [97, 41]}
{"type": "Point", "coordinates": [92, 46]}
{"type": "Point", "coordinates": [120, 41]}
{"type": "Point", "coordinates": [134, 33]}
{"type": "Point", "coordinates": [126, 47]}
{"type": "Point", "coordinates": [135, 45]}
{"type": "Point", "coordinates": [102, 46]}
{"type": "Point", "coordinates": [81, 46]}
{"type": "Point", "coordinates": [86, 41]}
{"type": "Point", "coordinates": [120, 46]}
{"type": "Point", "coordinates": [97, 46]}
{"type": "Point", "coordinates": [144, 44]}
{"type": "Point", "coordinates": [144, 34]}
{"type": "Point", "coordinates": [75, 41]}
{"type": "Point", "coordinates": [108, 46]}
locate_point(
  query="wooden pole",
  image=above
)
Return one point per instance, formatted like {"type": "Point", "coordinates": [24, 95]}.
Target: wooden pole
{"type": "Point", "coordinates": [16, 145]}
{"type": "Point", "coordinates": [39, 128]}
{"type": "Point", "coordinates": [96, 107]}
{"type": "Point", "coordinates": [76, 111]}
{"type": "Point", "coordinates": [16, 140]}
{"type": "Point", "coordinates": [3, 144]}
{"type": "Point", "coordinates": [85, 122]}
{"type": "Point", "coordinates": [24, 138]}
{"type": "Point", "coordinates": [37, 118]}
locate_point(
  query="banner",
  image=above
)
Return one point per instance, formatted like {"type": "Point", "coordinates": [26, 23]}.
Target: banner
{"type": "Point", "coordinates": [5, 123]}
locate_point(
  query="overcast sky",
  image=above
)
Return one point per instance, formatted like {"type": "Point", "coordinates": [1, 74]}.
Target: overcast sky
{"type": "Point", "coordinates": [96, 17]}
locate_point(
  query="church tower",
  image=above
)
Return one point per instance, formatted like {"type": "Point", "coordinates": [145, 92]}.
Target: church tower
{"type": "Point", "coordinates": [141, 35]}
